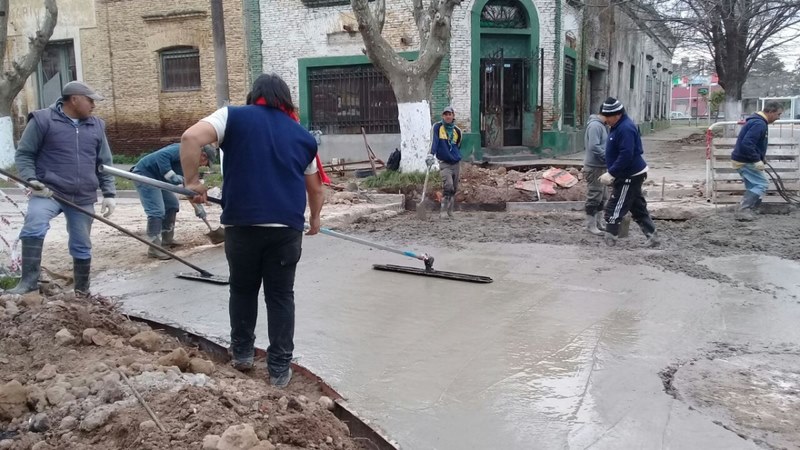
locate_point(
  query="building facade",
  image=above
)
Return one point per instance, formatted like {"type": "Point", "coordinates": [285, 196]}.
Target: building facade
{"type": "Point", "coordinates": [153, 60]}
{"type": "Point", "coordinates": [521, 75]}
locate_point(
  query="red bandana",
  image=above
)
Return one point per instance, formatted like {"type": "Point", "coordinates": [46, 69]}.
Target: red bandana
{"type": "Point", "coordinates": [293, 114]}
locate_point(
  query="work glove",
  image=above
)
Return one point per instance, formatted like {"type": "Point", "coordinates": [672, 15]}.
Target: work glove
{"type": "Point", "coordinates": [737, 165]}
{"type": "Point", "coordinates": [607, 179]}
{"type": "Point", "coordinates": [429, 160]}
{"type": "Point", "coordinates": [173, 177]}
{"type": "Point", "coordinates": [760, 165]}
{"type": "Point", "coordinates": [39, 189]}
{"type": "Point", "coordinates": [199, 211]}
{"type": "Point", "coordinates": [108, 206]}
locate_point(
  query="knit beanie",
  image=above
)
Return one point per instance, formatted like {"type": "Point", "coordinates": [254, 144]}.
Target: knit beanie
{"type": "Point", "coordinates": [611, 106]}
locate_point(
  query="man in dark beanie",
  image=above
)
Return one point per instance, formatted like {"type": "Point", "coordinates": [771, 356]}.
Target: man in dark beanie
{"type": "Point", "coordinates": [627, 171]}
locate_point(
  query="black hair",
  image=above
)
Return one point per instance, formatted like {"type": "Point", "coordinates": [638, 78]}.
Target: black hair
{"type": "Point", "coordinates": [273, 89]}
{"type": "Point", "coordinates": [772, 107]}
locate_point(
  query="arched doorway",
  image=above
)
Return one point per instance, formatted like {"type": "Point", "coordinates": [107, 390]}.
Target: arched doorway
{"type": "Point", "coordinates": [505, 72]}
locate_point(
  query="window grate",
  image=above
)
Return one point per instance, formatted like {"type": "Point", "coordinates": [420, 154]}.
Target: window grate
{"type": "Point", "coordinates": [569, 91]}
{"type": "Point", "coordinates": [344, 99]}
{"type": "Point", "coordinates": [180, 70]}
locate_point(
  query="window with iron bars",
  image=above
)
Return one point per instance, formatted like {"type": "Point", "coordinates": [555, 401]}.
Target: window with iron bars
{"type": "Point", "coordinates": [323, 3]}
{"type": "Point", "coordinates": [346, 98]}
{"type": "Point", "coordinates": [180, 69]}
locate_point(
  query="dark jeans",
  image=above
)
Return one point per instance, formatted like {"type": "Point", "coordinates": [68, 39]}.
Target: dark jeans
{"type": "Point", "coordinates": [268, 256]}
{"type": "Point", "coordinates": [627, 196]}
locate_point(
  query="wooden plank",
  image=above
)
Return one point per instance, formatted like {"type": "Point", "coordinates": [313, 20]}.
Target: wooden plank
{"type": "Point", "coordinates": [780, 166]}
{"type": "Point", "coordinates": [785, 176]}
{"type": "Point", "coordinates": [777, 152]}
{"type": "Point", "coordinates": [791, 186]}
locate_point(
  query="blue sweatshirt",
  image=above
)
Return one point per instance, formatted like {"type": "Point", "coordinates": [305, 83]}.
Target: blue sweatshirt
{"type": "Point", "coordinates": [442, 148]}
{"type": "Point", "coordinates": [751, 145]}
{"type": "Point", "coordinates": [624, 149]}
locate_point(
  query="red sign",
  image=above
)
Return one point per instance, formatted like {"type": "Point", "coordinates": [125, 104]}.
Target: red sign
{"type": "Point", "coordinates": [714, 78]}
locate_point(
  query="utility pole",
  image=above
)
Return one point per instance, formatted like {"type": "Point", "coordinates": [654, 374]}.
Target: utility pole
{"type": "Point", "coordinates": [220, 53]}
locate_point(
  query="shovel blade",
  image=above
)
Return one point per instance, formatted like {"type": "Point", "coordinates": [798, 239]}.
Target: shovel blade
{"type": "Point", "coordinates": [216, 236]}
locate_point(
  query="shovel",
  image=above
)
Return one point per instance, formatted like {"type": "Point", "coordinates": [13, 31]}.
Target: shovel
{"type": "Point", "coordinates": [424, 205]}
{"type": "Point", "coordinates": [216, 236]}
{"type": "Point", "coordinates": [201, 275]}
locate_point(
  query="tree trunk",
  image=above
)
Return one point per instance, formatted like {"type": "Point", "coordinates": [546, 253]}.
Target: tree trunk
{"type": "Point", "coordinates": [13, 80]}
{"type": "Point", "coordinates": [412, 90]}
{"type": "Point", "coordinates": [733, 100]}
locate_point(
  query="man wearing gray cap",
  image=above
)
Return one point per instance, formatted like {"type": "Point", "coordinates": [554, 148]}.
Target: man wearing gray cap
{"type": "Point", "coordinates": [59, 152]}
{"type": "Point", "coordinates": [162, 206]}
{"type": "Point", "coordinates": [446, 147]}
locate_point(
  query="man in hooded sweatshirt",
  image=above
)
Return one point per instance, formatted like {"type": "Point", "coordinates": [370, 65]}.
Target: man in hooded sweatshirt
{"type": "Point", "coordinates": [594, 165]}
{"type": "Point", "coordinates": [627, 171]}
{"type": "Point", "coordinates": [446, 147]}
{"type": "Point", "coordinates": [749, 157]}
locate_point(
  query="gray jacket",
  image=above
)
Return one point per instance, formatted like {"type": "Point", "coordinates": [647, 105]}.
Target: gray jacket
{"type": "Point", "coordinates": [65, 156]}
{"type": "Point", "coordinates": [594, 142]}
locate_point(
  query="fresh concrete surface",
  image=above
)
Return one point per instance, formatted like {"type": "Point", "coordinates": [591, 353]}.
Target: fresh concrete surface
{"type": "Point", "coordinates": [563, 350]}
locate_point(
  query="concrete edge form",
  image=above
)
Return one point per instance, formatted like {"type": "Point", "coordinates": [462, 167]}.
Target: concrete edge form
{"type": "Point", "coordinates": [545, 206]}
{"type": "Point", "coordinates": [359, 428]}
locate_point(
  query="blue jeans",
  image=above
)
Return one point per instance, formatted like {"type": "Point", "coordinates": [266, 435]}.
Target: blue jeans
{"type": "Point", "coordinates": [755, 180]}
{"type": "Point", "coordinates": [268, 256]}
{"type": "Point", "coordinates": [156, 201]}
{"type": "Point", "coordinates": [79, 226]}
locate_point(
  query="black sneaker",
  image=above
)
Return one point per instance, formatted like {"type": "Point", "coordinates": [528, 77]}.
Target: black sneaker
{"type": "Point", "coordinates": [281, 381]}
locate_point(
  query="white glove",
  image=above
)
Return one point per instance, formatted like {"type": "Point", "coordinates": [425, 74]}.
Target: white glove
{"type": "Point", "coordinates": [607, 179]}
{"type": "Point", "coordinates": [429, 160]}
{"type": "Point", "coordinates": [760, 165]}
{"type": "Point", "coordinates": [39, 189]}
{"type": "Point", "coordinates": [108, 206]}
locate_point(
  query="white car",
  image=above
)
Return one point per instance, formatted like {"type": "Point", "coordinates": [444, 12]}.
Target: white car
{"type": "Point", "coordinates": [679, 115]}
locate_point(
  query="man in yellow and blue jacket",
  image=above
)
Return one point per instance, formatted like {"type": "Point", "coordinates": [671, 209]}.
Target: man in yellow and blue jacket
{"type": "Point", "coordinates": [446, 147]}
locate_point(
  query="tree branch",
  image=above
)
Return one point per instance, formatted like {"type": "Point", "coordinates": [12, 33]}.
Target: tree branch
{"type": "Point", "coordinates": [13, 80]}
{"type": "Point", "coordinates": [378, 49]}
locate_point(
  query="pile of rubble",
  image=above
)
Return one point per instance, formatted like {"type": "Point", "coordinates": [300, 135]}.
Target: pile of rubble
{"type": "Point", "coordinates": [479, 185]}
{"type": "Point", "coordinates": [75, 373]}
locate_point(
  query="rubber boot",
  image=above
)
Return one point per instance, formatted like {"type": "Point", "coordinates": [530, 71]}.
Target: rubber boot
{"type": "Point", "coordinates": [601, 221]}
{"type": "Point", "coordinates": [648, 227]}
{"type": "Point", "coordinates": [609, 239]}
{"type": "Point", "coordinates": [154, 236]}
{"type": "Point", "coordinates": [168, 229]}
{"type": "Point", "coordinates": [591, 225]}
{"type": "Point", "coordinates": [80, 271]}
{"type": "Point", "coordinates": [443, 208]}
{"type": "Point", "coordinates": [450, 206]}
{"type": "Point", "coordinates": [31, 266]}
{"type": "Point", "coordinates": [745, 212]}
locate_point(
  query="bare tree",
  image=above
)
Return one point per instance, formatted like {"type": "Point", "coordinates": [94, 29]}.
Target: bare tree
{"type": "Point", "coordinates": [13, 79]}
{"type": "Point", "coordinates": [735, 33]}
{"type": "Point", "coordinates": [412, 81]}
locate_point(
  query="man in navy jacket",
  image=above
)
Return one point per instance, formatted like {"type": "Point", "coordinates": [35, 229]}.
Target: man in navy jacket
{"type": "Point", "coordinates": [446, 147]}
{"type": "Point", "coordinates": [627, 171]}
{"type": "Point", "coordinates": [749, 157]}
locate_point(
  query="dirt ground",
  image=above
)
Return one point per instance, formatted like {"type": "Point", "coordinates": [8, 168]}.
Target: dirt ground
{"type": "Point", "coordinates": [67, 368]}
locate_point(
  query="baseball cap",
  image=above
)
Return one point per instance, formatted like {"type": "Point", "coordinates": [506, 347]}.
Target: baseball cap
{"type": "Point", "coordinates": [79, 88]}
{"type": "Point", "coordinates": [448, 109]}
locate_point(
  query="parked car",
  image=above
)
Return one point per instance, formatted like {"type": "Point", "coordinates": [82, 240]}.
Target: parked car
{"type": "Point", "coordinates": [679, 115]}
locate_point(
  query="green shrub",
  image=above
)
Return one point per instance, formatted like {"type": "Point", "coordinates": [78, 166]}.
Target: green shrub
{"type": "Point", "coordinates": [392, 180]}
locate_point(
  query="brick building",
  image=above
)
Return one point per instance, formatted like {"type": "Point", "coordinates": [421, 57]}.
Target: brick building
{"type": "Point", "coordinates": [522, 75]}
{"type": "Point", "coordinates": [153, 60]}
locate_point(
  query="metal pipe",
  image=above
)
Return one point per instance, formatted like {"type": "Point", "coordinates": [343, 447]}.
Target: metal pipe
{"type": "Point", "coordinates": [329, 232]}
{"type": "Point", "coordinates": [153, 182]}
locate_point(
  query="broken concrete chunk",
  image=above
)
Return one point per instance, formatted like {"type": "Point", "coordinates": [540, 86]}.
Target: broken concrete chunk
{"type": "Point", "coordinates": [147, 340]}
{"type": "Point", "coordinates": [87, 335]}
{"type": "Point", "coordinates": [48, 371]}
{"type": "Point", "coordinates": [238, 437]}
{"type": "Point", "coordinates": [177, 357]}
{"type": "Point", "coordinates": [13, 399]}
{"type": "Point", "coordinates": [64, 337]}
{"type": "Point", "coordinates": [199, 365]}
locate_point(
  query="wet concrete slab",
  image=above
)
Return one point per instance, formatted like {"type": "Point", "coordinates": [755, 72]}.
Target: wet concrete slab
{"type": "Point", "coordinates": [563, 350]}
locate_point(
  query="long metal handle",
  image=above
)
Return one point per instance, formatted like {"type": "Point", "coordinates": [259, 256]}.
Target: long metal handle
{"type": "Point", "coordinates": [329, 232]}
{"type": "Point", "coordinates": [57, 197]}
{"type": "Point", "coordinates": [152, 182]}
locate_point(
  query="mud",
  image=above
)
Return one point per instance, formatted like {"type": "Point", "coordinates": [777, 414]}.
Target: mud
{"type": "Point", "coordinates": [684, 243]}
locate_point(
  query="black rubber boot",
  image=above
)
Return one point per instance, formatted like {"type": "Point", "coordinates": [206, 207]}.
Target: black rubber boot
{"type": "Point", "coordinates": [154, 235]}
{"type": "Point", "coordinates": [31, 266]}
{"type": "Point", "coordinates": [80, 270]}
{"type": "Point", "coordinates": [168, 229]}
